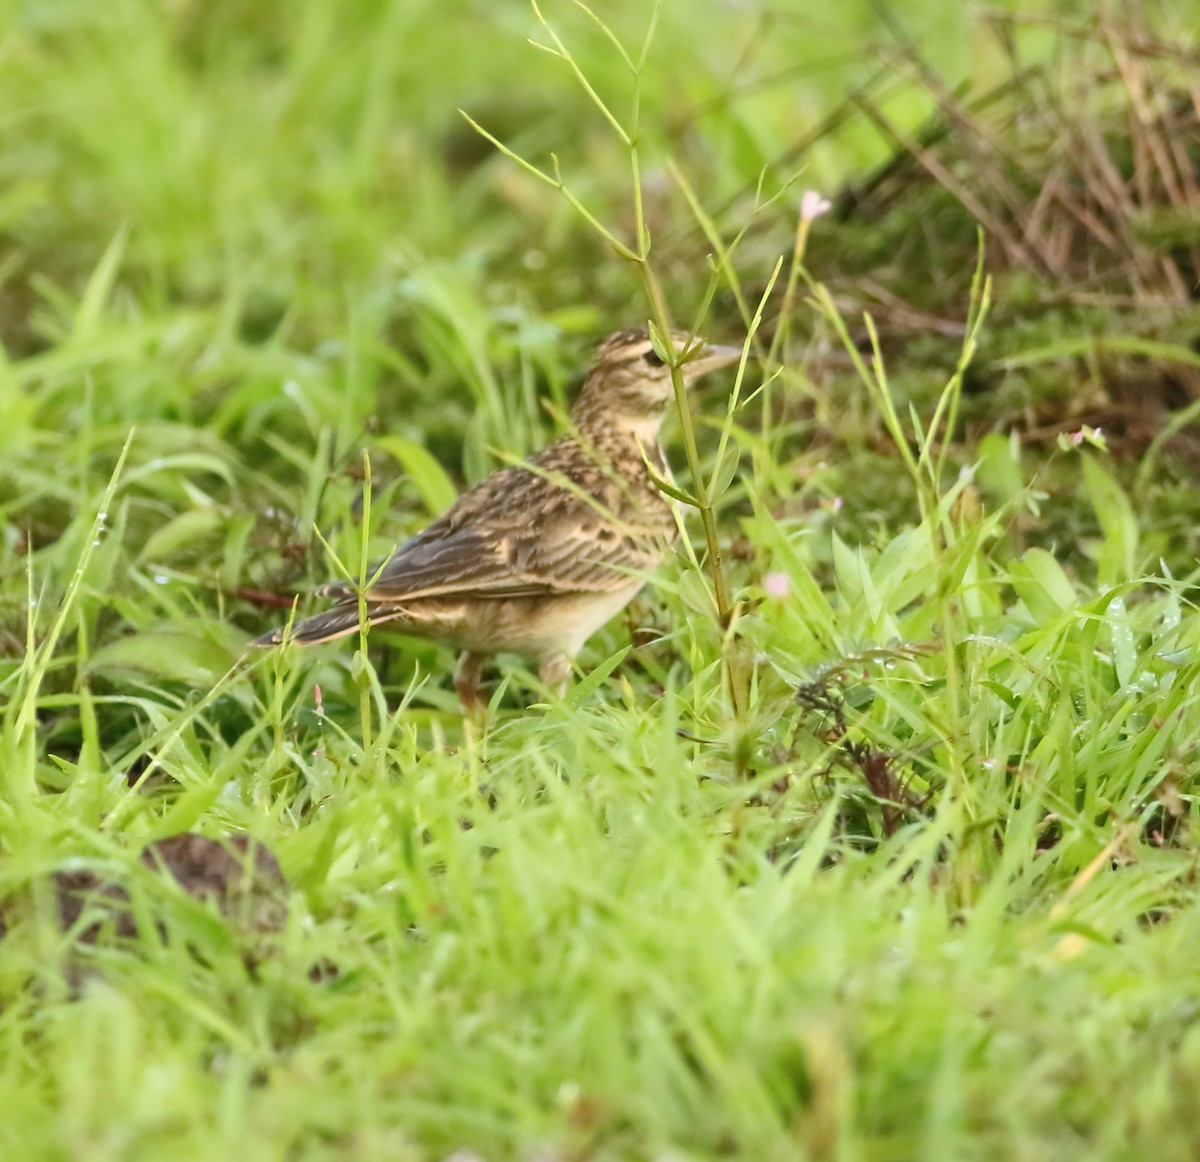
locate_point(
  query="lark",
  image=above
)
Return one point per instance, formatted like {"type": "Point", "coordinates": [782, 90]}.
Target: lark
{"type": "Point", "coordinates": [538, 556]}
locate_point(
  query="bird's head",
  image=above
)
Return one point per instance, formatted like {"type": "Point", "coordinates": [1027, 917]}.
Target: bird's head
{"type": "Point", "coordinates": [629, 384]}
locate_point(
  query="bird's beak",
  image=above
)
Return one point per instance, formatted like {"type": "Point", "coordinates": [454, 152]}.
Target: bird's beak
{"type": "Point", "coordinates": [710, 357]}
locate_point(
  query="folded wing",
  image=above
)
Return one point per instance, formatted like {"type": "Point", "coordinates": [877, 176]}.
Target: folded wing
{"type": "Point", "coordinates": [521, 534]}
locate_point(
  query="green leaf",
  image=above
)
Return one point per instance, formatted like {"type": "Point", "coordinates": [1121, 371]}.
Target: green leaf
{"type": "Point", "coordinates": [177, 657]}
{"type": "Point", "coordinates": [1117, 522]}
{"type": "Point", "coordinates": [697, 595]}
{"type": "Point", "coordinates": [725, 472]}
{"type": "Point", "coordinates": [170, 467]}
{"type": "Point", "coordinates": [668, 486]}
{"type": "Point", "coordinates": [585, 689]}
{"type": "Point", "coordinates": [185, 529]}
{"type": "Point", "coordinates": [851, 571]}
{"type": "Point", "coordinates": [1041, 583]}
{"type": "Point", "coordinates": [99, 288]}
{"type": "Point", "coordinates": [427, 475]}
{"type": "Point", "coordinates": [233, 552]}
{"type": "Point", "coordinates": [999, 473]}
{"type": "Point", "coordinates": [1124, 647]}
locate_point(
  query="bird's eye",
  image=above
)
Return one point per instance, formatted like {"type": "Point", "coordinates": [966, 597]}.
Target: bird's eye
{"type": "Point", "coordinates": [651, 357]}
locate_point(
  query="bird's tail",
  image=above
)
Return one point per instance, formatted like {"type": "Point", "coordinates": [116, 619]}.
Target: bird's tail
{"type": "Point", "coordinates": [321, 627]}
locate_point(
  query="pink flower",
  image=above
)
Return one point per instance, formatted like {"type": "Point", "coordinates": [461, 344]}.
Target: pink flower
{"type": "Point", "coordinates": [813, 205]}
{"type": "Point", "coordinates": [776, 584]}
{"type": "Point", "coordinates": [1085, 435]}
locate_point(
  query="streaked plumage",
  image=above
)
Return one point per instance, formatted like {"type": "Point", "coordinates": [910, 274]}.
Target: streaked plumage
{"type": "Point", "coordinates": [538, 556]}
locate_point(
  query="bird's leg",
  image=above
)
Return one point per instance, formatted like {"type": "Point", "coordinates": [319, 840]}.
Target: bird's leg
{"type": "Point", "coordinates": [555, 673]}
{"type": "Point", "coordinates": [466, 680]}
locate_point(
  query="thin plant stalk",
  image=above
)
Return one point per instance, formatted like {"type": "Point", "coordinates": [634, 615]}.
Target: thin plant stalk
{"type": "Point", "coordinates": [700, 494]}
{"type": "Point", "coordinates": [362, 675]}
{"type": "Point", "coordinates": [20, 720]}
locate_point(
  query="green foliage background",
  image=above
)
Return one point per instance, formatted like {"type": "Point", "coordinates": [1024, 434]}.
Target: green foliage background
{"type": "Point", "coordinates": [940, 905]}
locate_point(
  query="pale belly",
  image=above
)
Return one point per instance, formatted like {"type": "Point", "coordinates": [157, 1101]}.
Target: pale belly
{"type": "Point", "coordinates": [535, 627]}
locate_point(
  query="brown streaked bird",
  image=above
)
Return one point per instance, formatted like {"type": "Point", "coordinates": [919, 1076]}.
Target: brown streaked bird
{"type": "Point", "coordinates": [538, 556]}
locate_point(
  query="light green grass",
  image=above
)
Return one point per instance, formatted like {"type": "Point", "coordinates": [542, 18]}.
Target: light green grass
{"type": "Point", "coordinates": [929, 895]}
